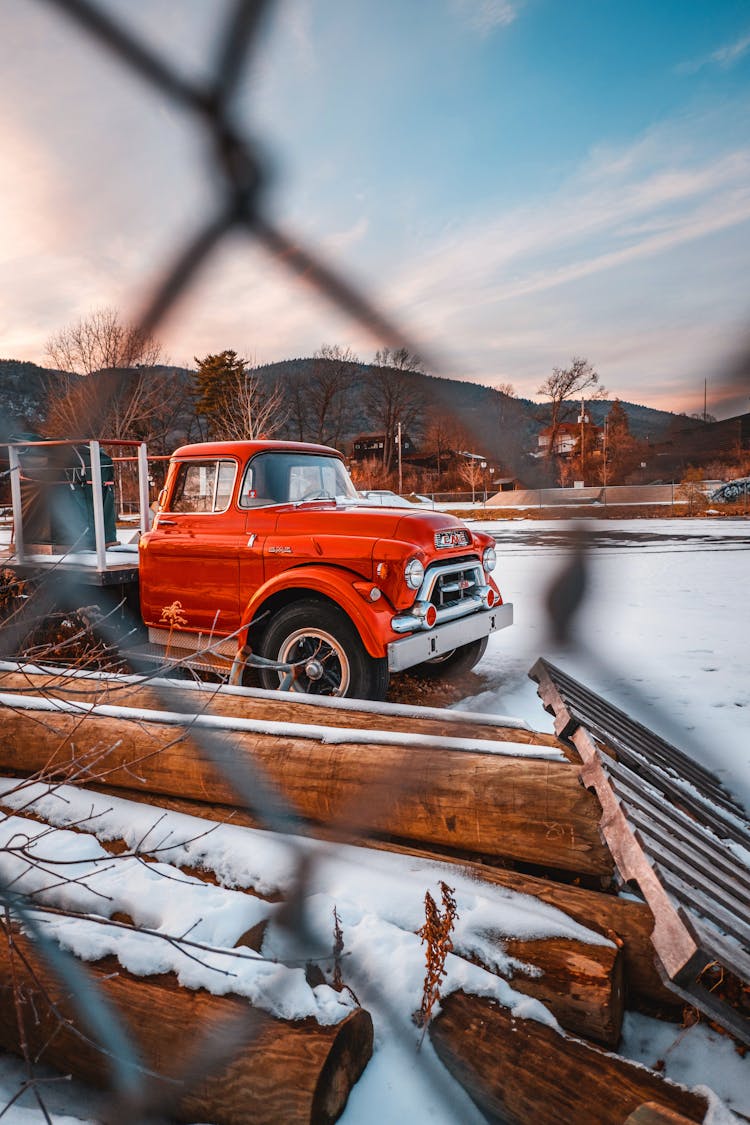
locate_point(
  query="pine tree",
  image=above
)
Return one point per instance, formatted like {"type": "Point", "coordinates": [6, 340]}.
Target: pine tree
{"type": "Point", "coordinates": [623, 452]}
{"type": "Point", "coordinates": [215, 378]}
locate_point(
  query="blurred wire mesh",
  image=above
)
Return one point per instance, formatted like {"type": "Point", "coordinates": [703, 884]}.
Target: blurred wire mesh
{"type": "Point", "coordinates": [241, 190]}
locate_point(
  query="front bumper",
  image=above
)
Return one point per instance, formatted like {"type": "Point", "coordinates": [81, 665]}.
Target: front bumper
{"type": "Point", "coordinates": [426, 645]}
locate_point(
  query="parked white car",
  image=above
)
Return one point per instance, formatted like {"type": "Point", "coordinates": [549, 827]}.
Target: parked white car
{"type": "Point", "coordinates": [386, 499]}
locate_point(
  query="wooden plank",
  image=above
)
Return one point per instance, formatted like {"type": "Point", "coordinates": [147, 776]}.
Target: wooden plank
{"type": "Point", "coordinates": [673, 940]}
{"type": "Point", "coordinates": [680, 879]}
{"type": "Point", "coordinates": [711, 908]}
{"type": "Point", "coordinates": [295, 1072]}
{"type": "Point", "coordinates": [628, 737]}
{"type": "Point", "coordinates": [486, 804]}
{"type": "Point", "coordinates": [677, 857]}
{"type": "Point", "coordinates": [518, 1071]}
{"type": "Point", "coordinates": [680, 827]}
{"type": "Point", "coordinates": [724, 949]}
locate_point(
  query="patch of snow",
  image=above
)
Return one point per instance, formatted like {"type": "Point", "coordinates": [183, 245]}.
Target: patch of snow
{"type": "Point", "coordinates": [684, 1052]}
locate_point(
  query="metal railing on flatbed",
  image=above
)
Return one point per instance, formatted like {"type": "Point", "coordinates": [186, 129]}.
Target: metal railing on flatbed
{"type": "Point", "coordinates": [22, 557]}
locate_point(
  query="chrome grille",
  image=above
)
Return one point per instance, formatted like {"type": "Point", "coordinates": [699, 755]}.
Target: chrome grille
{"type": "Point", "coordinates": [456, 585]}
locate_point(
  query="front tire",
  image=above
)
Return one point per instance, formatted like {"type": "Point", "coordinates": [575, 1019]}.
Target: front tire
{"type": "Point", "coordinates": [326, 649]}
{"type": "Point", "coordinates": [455, 662]}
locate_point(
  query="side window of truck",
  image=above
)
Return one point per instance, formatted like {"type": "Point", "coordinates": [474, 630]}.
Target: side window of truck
{"type": "Point", "coordinates": [203, 486]}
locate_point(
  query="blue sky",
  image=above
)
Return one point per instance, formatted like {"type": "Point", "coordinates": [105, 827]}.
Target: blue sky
{"type": "Point", "coordinates": [516, 181]}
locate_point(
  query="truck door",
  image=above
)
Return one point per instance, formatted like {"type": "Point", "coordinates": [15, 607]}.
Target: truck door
{"type": "Point", "coordinates": [193, 553]}
{"type": "Point", "coordinates": [258, 500]}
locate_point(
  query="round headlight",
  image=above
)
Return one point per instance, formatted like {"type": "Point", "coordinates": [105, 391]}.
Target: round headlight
{"type": "Point", "coordinates": [489, 559]}
{"type": "Point", "coordinates": [414, 574]}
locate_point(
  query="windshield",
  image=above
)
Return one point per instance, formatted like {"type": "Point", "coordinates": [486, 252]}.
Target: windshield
{"type": "Point", "coordinates": [283, 478]}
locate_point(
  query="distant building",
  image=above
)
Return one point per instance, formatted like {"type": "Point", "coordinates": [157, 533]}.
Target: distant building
{"type": "Point", "coordinates": [567, 437]}
{"type": "Point", "coordinates": [366, 446]}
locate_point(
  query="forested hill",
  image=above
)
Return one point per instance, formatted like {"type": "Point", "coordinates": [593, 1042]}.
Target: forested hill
{"type": "Point", "coordinates": [477, 408]}
{"type": "Point", "coordinates": [476, 417]}
{"type": "Point", "coordinates": [24, 391]}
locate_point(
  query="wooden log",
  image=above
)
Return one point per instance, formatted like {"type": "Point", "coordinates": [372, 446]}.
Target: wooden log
{"type": "Point", "coordinates": [293, 1072]}
{"type": "Point", "coordinates": [524, 809]}
{"type": "Point", "coordinates": [628, 922]}
{"type": "Point", "coordinates": [518, 1070]}
{"type": "Point", "coordinates": [216, 699]}
{"type": "Point", "coordinates": [581, 984]}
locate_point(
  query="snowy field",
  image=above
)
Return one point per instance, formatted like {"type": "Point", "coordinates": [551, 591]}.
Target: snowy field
{"type": "Point", "coordinates": [663, 634]}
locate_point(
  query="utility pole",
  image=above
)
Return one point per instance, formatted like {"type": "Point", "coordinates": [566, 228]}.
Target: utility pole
{"type": "Point", "coordinates": [705, 401]}
{"type": "Point", "coordinates": [400, 475]}
{"type": "Point", "coordinates": [604, 469]}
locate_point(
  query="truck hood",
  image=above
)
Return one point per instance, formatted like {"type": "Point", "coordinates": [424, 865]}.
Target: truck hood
{"type": "Point", "coordinates": [413, 526]}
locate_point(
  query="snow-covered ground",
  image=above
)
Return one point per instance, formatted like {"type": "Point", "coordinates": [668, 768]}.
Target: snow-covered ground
{"type": "Point", "coordinates": [663, 634]}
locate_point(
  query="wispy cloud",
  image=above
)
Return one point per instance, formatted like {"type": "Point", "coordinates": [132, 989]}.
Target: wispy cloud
{"type": "Point", "coordinates": [635, 261]}
{"type": "Point", "coordinates": [341, 240]}
{"type": "Point", "coordinates": [486, 15]}
{"type": "Point", "coordinates": [724, 57]}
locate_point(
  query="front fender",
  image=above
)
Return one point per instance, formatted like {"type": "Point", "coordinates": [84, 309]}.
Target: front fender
{"type": "Point", "coordinates": [372, 620]}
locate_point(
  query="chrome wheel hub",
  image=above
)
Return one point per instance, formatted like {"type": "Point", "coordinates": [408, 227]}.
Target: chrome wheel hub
{"type": "Point", "coordinates": [320, 659]}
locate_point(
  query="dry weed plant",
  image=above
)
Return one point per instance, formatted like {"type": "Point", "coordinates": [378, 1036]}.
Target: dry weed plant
{"type": "Point", "coordinates": [436, 934]}
{"type": "Point", "coordinates": [338, 949]}
{"type": "Point", "coordinates": [172, 615]}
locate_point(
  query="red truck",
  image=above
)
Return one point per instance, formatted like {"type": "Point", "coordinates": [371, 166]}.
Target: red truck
{"type": "Point", "coordinates": [272, 539]}
{"type": "Point", "coordinates": [264, 550]}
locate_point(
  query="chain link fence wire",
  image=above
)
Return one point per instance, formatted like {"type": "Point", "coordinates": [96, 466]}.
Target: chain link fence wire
{"type": "Point", "coordinates": [242, 187]}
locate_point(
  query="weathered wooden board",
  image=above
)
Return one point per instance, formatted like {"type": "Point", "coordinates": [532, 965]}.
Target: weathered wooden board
{"type": "Point", "coordinates": [695, 882]}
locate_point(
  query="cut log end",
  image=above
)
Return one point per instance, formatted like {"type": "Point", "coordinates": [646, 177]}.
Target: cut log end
{"type": "Point", "coordinates": [581, 984]}
{"type": "Point", "coordinates": [348, 1056]}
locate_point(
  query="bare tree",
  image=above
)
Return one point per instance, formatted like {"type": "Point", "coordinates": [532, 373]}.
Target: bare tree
{"type": "Point", "coordinates": [565, 384]}
{"type": "Point", "coordinates": [391, 396]}
{"type": "Point", "coordinates": [109, 388]}
{"type": "Point", "coordinates": [139, 404]}
{"type": "Point", "coordinates": [234, 400]}
{"type": "Point", "coordinates": [251, 410]}
{"type": "Point", "coordinates": [470, 471]}
{"type": "Point", "coordinates": [444, 435]}
{"type": "Point", "coordinates": [101, 342]}
{"type": "Point", "coordinates": [399, 358]}
{"type": "Point", "coordinates": [329, 393]}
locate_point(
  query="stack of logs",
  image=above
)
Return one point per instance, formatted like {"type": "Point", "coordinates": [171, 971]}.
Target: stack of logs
{"type": "Point", "coordinates": [502, 802]}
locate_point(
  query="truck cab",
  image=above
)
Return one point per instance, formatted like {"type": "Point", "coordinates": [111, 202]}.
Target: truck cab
{"type": "Point", "coordinates": [265, 547]}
